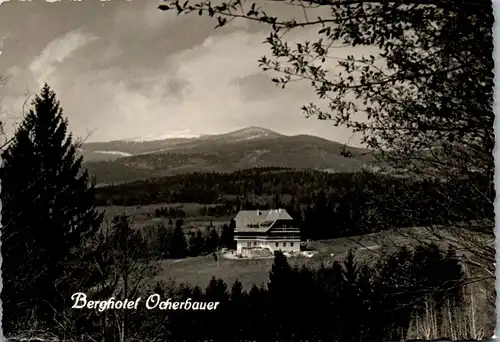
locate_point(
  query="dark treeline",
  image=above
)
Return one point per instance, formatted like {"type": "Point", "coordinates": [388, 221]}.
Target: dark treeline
{"type": "Point", "coordinates": [344, 301]}
{"type": "Point", "coordinates": [215, 211]}
{"type": "Point", "coordinates": [170, 241]}
{"type": "Point", "coordinates": [325, 205]}
{"type": "Point", "coordinates": [179, 212]}
{"type": "Point", "coordinates": [169, 212]}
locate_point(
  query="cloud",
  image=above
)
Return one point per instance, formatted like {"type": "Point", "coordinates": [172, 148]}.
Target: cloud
{"type": "Point", "coordinates": [136, 18]}
{"type": "Point", "coordinates": [43, 66]}
{"type": "Point", "coordinates": [152, 73]}
{"type": "Point", "coordinates": [212, 87]}
{"type": "Point", "coordinates": [3, 37]}
{"type": "Point", "coordinates": [255, 87]}
{"type": "Point", "coordinates": [201, 89]}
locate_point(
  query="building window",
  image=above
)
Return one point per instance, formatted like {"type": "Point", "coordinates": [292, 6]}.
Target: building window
{"type": "Point", "coordinates": [255, 243]}
{"type": "Point", "coordinates": [277, 244]}
{"type": "Point", "coordinates": [284, 244]}
{"type": "Point", "coordinates": [249, 244]}
{"type": "Point", "coordinates": [291, 244]}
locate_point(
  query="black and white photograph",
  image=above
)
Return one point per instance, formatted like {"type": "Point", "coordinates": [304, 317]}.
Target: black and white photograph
{"type": "Point", "coordinates": [247, 170]}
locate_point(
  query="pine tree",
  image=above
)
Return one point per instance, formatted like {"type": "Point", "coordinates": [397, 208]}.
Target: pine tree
{"type": "Point", "coordinates": [217, 290]}
{"type": "Point", "coordinates": [282, 286]}
{"type": "Point", "coordinates": [196, 242]}
{"type": "Point", "coordinates": [238, 311]}
{"type": "Point", "coordinates": [47, 211]}
{"type": "Point", "coordinates": [350, 297]}
{"type": "Point", "coordinates": [225, 236]}
{"type": "Point", "coordinates": [236, 291]}
{"type": "Point", "coordinates": [280, 274]}
{"type": "Point", "coordinates": [212, 241]}
{"type": "Point", "coordinates": [177, 243]}
{"type": "Point", "coordinates": [163, 235]}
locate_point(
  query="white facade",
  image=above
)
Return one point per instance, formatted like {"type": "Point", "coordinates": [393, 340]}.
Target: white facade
{"type": "Point", "coordinates": [288, 245]}
{"type": "Point", "coordinates": [258, 231]}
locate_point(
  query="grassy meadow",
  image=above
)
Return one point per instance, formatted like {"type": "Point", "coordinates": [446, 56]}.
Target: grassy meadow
{"type": "Point", "coordinates": [143, 215]}
{"type": "Point", "coordinates": [199, 270]}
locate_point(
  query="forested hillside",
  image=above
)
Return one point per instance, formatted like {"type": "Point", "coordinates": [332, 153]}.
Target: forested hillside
{"type": "Point", "coordinates": [325, 205]}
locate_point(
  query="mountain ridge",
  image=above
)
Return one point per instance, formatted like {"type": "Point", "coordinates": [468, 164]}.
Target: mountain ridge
{"type": "Point", "coordinates": [121, 161]}
{"type": "Point", "coordinates": [129, 147]}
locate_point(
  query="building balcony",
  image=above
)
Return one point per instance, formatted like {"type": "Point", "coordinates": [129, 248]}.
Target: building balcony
{"type": "Point", "coordinates": [268, 238]}
{"type": "Point", "coordinates": [291, 229]}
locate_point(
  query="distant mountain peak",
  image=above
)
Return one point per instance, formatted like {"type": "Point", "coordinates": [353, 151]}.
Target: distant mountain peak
{"type": "Point", "coordinates": [252, 132]}
{"type": "Point", "coordinates": [255, 130]}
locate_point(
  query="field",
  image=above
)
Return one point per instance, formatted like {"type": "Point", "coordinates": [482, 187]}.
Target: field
{"type": "Point", "coordinates": [144, 215]}
{"type": "Point", "coordinates": [199, 270]}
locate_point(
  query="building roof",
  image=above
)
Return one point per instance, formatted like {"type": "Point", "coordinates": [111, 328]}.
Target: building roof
{"type": "Point", "coordinates": [263, 220]}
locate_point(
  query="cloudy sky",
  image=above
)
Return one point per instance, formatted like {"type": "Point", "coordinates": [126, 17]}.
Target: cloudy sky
{"type": "Point", "coordinates": [124, 69]}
